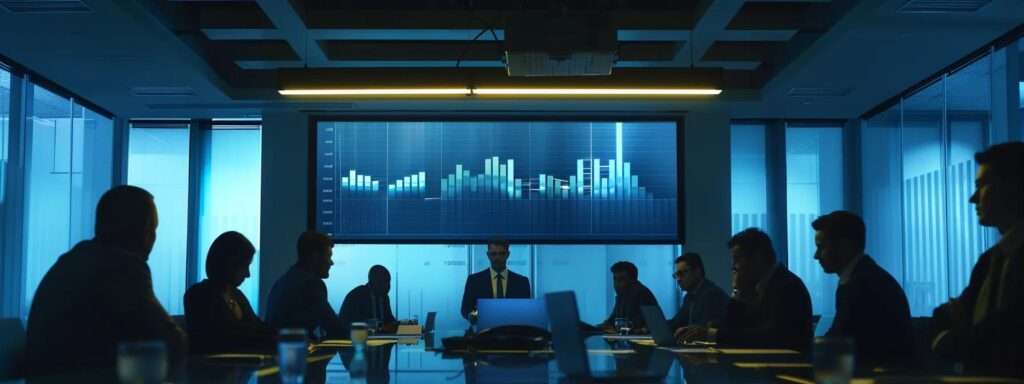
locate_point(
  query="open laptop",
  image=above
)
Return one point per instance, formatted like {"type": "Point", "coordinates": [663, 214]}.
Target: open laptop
{"type": "Point", "coordinates": [571, 352]}
{"type": "Point", "coordinates": [497, 312]}
{"type": "Point", "coordinates": [658, 326]}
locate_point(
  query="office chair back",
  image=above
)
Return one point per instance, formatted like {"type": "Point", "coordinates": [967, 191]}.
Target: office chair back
{"type": "Point", "coordinates": [12, 348]}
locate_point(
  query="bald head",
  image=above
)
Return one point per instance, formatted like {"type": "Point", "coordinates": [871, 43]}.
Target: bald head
{"type": "Point", "coordinates": [126, 217]}
{"type": "Point", "coordinates": [379, 280]}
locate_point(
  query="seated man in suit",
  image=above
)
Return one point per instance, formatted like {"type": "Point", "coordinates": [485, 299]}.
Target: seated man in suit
{"type": "Point", "coordinates": [630, 295]}
{"type": "Point", "coordinates": [496, 282]}
{"type": "Point", "coordinates": [370, 301]}
{"type": "Point", "coordinates": [982, 327]}
{"type": "Point", "coordinates": [871, 308]}
{"type": "Point", "coordinates": [299, 298]}
{"type": "Point", "coordinates": [100, 293]}
{"type": "Point", "coordinates": [771, 308]}
{"type": "Point", "coordinates": [705, 302]}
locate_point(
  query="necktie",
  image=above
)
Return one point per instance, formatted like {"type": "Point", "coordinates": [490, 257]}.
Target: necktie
{"type": "Point", "coordinates": [498, 288]}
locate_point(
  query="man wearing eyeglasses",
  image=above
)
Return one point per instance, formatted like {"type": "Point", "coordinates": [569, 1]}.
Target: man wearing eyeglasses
{"type": "Point", "coordinates": [496, 282]}
{"type": "Point", "coordinates": [704, 302]}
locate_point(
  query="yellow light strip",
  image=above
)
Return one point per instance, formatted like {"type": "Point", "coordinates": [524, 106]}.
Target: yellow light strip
{"type": "Point", "coordinates": [504, 91]}
{"type": "Point", "coordinates": [374, 92]}
{"type": "Point", "coordinates": [596, 91]}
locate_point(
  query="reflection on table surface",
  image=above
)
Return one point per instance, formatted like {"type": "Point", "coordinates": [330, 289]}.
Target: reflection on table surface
{"type": "Point", "coordinates": [423, 361]}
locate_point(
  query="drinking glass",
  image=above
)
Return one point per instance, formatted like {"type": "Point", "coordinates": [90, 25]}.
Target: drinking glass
{"type": "Point", "coordinates": [833, 360]}
{"type": "Point", "coordinates": [291, 355]}
{"type": "Point", "coordinates": [142, 361]}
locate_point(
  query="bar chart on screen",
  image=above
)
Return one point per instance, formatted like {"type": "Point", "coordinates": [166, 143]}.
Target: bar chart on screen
{"type": "Point", "coordinates": [522, 180]}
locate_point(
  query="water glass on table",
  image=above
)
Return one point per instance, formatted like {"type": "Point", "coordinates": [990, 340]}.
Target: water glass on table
{"type": "Point", "coordinates": [623, 326]}
{"type": "Point", "coordinates": [833, 360]}
{"type": "Point", "coordinates": [291, 355]}
{"type": "Point", "coordinates": [358, 334]}
{"type": "Point", "coordinates": [142, 362]}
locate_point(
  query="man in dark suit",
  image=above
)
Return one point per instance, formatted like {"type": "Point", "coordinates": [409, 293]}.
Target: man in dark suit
{"type": "Point", "coordinates": [705, 302]}
{"type": "Point", "coordinates": [496, 282]}
{"type": "Point", "coordinates": [370, 301]}
{"type": "Point", "coordinates": [871, 308]}
{"type": "Point", "coordinates": [299, 298]}
{"type": "Point", "coordinates": [771, 307]}
{"type": "Point", "coordinates": [982, 327]}
{"type": "Point", "coordinates": [630, 296]}
{"type": "Point", "coordinates": [100, 293]}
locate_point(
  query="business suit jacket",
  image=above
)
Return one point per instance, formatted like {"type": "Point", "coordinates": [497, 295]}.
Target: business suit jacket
{"type": "Point", "coordinates": [995, 344]}
{"type": "Point", "coordinates": [779, 316]}
{"type": "Point", "coordinates": [216, 325]}
{"type": "Point", "coordinates": [358, 306]}
{"type": "Point", "coordinates": [872, 309]}
{"type": "Point", "coordinates": [93, 298]}
{"type": "Point", "coordinates": [704, 305]}
{"type": "Point", "coordinates": [628, 305]}
{"type": "Point", "coordinates": [478, 286]}
{"type": "Point", "coordinates": [299, 300]}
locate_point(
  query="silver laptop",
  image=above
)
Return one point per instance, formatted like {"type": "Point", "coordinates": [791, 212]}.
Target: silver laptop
{"type": "Point", "coordinates": [658, 326]}
{"type": "Point", "coordinates": [571, 352]}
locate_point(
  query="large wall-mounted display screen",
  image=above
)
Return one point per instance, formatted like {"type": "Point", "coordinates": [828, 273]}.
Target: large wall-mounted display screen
{"type": "Point", "coordinates": [524, 181]}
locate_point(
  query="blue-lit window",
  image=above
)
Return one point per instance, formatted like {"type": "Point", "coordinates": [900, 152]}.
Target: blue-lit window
{"type": "Point", "coordinates": [69, 164]}
{"type": "Point", "coordinates": [968, 116]}
{"type": "Point", "coordinates": [158, 161]}
{"type": "Point", "coordinates": [229, 197]}
{"type": "Point", "coordinates": [918, 162]}
{"type": "Point", "coordinates": [432, 277]}
{"type": "Point", "coordinates": [881, 190]}
{"type": "Point", "coordinates": [923, 209]}
{"type": "Point", "coordinates": [814, 186]}
{"type": "Point", "coordinates": [5, 123]}
{"type": "Point", "coordinates": [749, 180]}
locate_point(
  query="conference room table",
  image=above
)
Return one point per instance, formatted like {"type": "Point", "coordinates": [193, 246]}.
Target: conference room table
{"type": "Point", "coordinates": [422, 360]}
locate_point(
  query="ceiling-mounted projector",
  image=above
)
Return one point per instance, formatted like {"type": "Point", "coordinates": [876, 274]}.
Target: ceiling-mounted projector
{"type": "Point", "coordinates": [560, 45]}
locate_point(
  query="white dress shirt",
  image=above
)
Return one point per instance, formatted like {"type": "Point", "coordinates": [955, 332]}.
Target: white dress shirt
{"type": "Point", "coordinates": [494, 280]}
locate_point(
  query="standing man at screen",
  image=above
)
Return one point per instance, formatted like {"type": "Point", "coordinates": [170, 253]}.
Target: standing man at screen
{"type": "Point", "coordinates": [496, 282]}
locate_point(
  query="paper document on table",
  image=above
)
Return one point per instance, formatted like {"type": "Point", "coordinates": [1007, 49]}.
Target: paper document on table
{"type": "Point", "coordinates": [341, 343]}
{"type": "Point", "coordinates": [794, 379]}
{"type": "Point", "coordinates": [693, 350]}
{"type": "Point", "coordinates": [759, 365]}
{"type": "Point", "coordinates": [627, 337]}
{"type": "Point", "coordinates": [411, 329]}
{"type": "Point", "coordinates": [610, 351]}
{"type": "Point", "coordinates": [753, 351]}
{"type": "Point", "coordinates": [335, 343]}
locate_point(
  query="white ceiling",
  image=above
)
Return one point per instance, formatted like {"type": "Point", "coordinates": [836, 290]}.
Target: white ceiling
{"type": "Point", "coordinates": [874, 52]}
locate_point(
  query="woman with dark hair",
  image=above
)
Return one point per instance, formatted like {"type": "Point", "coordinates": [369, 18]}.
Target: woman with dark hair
{"type": "Point", "coordinates": [217, 315]}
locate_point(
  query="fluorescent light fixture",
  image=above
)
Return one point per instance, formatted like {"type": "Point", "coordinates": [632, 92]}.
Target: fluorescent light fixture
{"type": "Point", "coordinates": [374, 92]}
{"type": "Point", "coordinates": [504, 91]}
{"type": "Point", "coordinates": [595, 91]}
